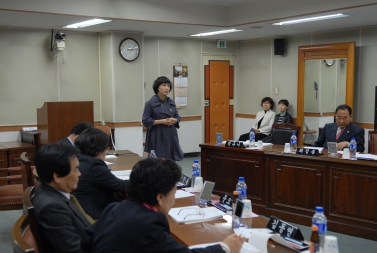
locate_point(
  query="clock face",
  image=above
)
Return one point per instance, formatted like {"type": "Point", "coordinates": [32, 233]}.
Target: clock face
{"type": "Point", "coordinates": [129, 49]}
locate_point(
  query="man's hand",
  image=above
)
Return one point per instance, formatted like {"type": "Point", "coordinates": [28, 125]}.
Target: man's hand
{"type": "Point", "coordinates": [342, 145]}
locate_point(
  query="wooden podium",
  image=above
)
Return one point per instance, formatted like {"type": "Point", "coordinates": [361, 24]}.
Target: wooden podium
{"type": "Point", "coordinates": [56, 119]}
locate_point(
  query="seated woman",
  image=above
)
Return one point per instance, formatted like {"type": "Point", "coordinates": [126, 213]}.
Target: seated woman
{"type": "Point", "coordinates": [282, 117]}
{"type": "Point", "coordinates": [97, 185]}
{"type": "Point", "coordinates": [263, 122]}
{"type": "Point", "coordinates": [140, 224]}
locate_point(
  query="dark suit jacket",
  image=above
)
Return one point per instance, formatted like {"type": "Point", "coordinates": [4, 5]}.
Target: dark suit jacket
{"type": "Point", "coordinates": [352, 130]}
{"type": "Point", "coordinates": [61, 224]}
{"type": "Point", "coordinates": [65, 141]}
{"type": "Point", "coordinates": [97, 185]}
{"type": "Point", "coordinates": [129, 227]}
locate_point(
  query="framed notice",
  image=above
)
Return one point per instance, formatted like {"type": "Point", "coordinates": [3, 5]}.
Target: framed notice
{"type": "Point", "coordinates": [180, 74]}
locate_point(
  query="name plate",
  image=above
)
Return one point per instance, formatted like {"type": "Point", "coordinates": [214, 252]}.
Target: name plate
{"type": "Point", "coordinates": [284, 228]}
{"type": "Point", "coordinates": [307, 151]}
{"type": "Point", "coordinates": [234, 144]}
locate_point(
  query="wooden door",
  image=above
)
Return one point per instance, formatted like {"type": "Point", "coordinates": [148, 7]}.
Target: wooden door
{"type": "Point", "coordinates": [218, 91]}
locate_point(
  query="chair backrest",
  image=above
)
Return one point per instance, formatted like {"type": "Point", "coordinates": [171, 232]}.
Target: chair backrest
{"type": "Point", "coordinates": [107, 130]}
{"type": "Point", "coordinates": [372, 142]}
{"type": "Point", "coordinates": [29, 209]}
{"type": "Point", "coordinates": [23, 239]}
{"type": "Point", "coordinates": [26, 172]}
{"type": "Point", "coordinates": [281, 133]}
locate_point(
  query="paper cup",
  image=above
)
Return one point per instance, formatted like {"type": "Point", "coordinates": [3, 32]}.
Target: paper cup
{"type": "Point", "coordinates": [330, 244]}
{"type": "Point", "coordinates": [198, 185]}
{"type": "Point", "coordinates": [247, 209]}
{"type": "Point", "coordinates": [260, 145]}
{"type": "Point", "coordinates": [287, 147]}
{"type": "Point", "coordinates": [346, 153]}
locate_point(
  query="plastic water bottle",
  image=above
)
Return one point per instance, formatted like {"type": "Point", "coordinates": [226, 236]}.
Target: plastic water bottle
{"type": "Point", "coordinates": [241, 188]}
{"type": "Point", "coordinates": [319, 219]}
{"type": "Point", "coordinates": [252, 138]}
{"type": "Point", "coordinates": [353, 149]}
{"type": "Point", "coordinates": [293, 143]}
{"type": "Point", "coordinates": [152, 154]}
{"type": "Point", "coordinates": [195, 172]}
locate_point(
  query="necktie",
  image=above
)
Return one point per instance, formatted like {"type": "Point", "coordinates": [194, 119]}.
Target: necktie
{"type": "Point", "coordinates": [74, 201]}
{"type": "Point", "coordinates": [340, 132]}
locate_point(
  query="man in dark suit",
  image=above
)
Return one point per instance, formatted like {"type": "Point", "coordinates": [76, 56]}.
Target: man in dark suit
{"type": "Point", "coordinates": [342, 131]}
{"type": "Point", "coordinates": [60, 221]}
{"type": "Point", "coordinates": [140, 224]}
{"type": "Point", "coordinates": [75, 132]}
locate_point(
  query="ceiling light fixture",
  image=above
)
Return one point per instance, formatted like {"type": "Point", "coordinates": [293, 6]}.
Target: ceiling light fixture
{"type": "Point", "coordinates": [304, 20]}
{"type": "Point", "coordinates": [218, 32]}
{"type": "Point", "coordinates": [87, 23]}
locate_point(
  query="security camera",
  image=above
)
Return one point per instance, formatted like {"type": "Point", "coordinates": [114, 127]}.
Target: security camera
{"type": "Point", "coordinates": [60, 36]}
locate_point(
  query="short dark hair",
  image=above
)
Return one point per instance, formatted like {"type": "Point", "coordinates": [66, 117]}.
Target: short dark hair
{"type": "Point", "coordinates": [54, 158]}
{"type": "Point", "coordinates": [270, 100]}
{"type": "Point", "coordinates": [284, 101]}
{"type": "Point", "coordinates": [80, 127]}
{"type": "Point", "coordinates": [161, 80]}
{"type": "Point", "coordinates": [92, 141]}
{"type": "Point", "coordinates": [150, 177]}
{"type": "Point", "coordinates": [344, 107]}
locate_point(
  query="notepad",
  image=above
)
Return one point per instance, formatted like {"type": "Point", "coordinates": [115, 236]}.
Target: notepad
{"type": "Point", "coordinates": [192, 214]}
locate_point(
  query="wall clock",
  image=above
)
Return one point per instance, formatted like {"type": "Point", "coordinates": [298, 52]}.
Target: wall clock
{"type": "Point", "coordinates": [129, 49]}
{"type": "Point", "coordinates": [329, 62]}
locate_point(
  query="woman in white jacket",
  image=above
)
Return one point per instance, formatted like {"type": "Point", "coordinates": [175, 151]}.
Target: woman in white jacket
{"type": "Point", "coordinates": [263, 121]}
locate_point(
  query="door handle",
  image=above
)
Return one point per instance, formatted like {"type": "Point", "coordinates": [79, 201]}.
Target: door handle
{"type": "Point", "coordinates": [206, 102]}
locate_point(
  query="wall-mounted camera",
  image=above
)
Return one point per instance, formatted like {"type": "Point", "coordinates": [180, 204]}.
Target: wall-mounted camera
{"type": "Point", "coordinates": [57, 41]}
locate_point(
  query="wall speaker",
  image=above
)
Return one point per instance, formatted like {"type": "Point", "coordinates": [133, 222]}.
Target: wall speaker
{"type": "Point", "coordinates": [279, 46]}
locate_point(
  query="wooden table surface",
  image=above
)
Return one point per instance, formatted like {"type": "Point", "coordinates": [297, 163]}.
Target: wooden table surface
{"type": "Point", "coordinates": [214, 231]}
{"type": "Point", "coordinates": [124, 161]}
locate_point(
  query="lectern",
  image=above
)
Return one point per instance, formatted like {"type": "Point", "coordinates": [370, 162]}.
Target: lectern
{"type": "Point", "coordinates": [56, 119]}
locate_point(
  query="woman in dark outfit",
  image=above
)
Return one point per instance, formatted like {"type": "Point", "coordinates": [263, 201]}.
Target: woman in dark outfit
{"type": "Point", "coordinates": [161, 119]}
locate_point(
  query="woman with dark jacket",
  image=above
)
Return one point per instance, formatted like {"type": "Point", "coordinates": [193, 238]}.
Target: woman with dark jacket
{"type": "Point", "coordinates": [97, 186]}
{"type": "Point", "coordinates": [161, 119]}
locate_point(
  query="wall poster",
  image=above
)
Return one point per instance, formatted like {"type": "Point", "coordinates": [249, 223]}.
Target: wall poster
{"type": "Point", "coordinates": [180, 83]}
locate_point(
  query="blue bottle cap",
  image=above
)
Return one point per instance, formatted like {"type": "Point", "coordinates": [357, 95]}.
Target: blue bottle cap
{"type": "Point", "coordinates": [293, 134]}
{"type": "Point", "coordinates": [196, 161]}
{"type": "Point", "coordinates": [319, 209]}
{"type": "Point", "coordinates": [241, 179]}
{"type": "Point", "coordinates": [353, 138]}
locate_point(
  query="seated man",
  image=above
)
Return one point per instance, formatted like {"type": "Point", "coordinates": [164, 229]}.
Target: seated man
{"type": "Point", "coordinates": [140, 224]}
{"type": "Point", "coordinates": [342, 131]}
{"type": "Point", "coordinates": [60, 221]}
{"type": "Point", "coordinates": [75, 132]}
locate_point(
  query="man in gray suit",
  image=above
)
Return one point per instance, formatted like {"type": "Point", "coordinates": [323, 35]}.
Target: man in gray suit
{"type": "Point", "coordinates": [61, 222]}
{"type": "Point", "coordinates": [342, 131]}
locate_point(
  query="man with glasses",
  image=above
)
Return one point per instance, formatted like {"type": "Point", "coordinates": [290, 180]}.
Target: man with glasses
{"type": "Point", "coordinates": [342, 131]}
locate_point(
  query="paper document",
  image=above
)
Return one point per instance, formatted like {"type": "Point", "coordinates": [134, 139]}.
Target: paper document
{"type": "Point", "coordinates": [246, 247]}
{"type": "Point", "coordinates": [182, 194]}
{"type": "Point", "coordinates": [110, 156]}
{"type": "Point", "coordinates": [191, 214]}
{"type": "Point", "coordinates": [108, 163]}
{"type": "Point", "coordinates": [122, 174]}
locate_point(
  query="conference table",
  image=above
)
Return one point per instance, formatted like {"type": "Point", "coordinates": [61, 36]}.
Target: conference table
{"type": "Point", "coordinates": [290, 186]}
{"type": "Point", "coordinates": [125, 160]}
{"type": "Point", "coordinates": [213, 231]}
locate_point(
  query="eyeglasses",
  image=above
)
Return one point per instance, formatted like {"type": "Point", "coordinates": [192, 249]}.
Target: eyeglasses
{"type": "Point", "coordinates": [191, 211]}
{"type": "Point", "coordinates": [345, 118]}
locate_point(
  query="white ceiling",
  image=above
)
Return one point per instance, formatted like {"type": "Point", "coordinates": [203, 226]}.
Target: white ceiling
{"type": "Point", "coordinates": [180, 18]}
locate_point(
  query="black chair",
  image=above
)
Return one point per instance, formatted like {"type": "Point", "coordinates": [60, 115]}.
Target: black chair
{"type": "Point", "coordinates": [281, 133]}
{"type": "Point", "coordinates": [372, 142]}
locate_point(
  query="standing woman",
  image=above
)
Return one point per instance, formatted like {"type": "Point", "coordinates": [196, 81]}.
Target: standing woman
{"type": "Point", "coordinates": [161, 119]}
{"type": "Point", "coordinates": [263, 121]}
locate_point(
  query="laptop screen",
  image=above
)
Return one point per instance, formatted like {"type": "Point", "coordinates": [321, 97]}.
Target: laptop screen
{"type": "Point", "coordinates": [207, 189]}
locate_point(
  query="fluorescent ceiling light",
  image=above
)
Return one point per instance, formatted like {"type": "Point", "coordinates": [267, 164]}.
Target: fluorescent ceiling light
{"type": "Point", "coordinates": [87, 23]}
{"type": "Point", "coordinates": [303, 20]}
{"type": "Point", "coordinates": [218, 32]}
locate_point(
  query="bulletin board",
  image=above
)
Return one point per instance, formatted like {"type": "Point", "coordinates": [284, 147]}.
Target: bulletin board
{"type": "Point", "coordinates": [180, 82]}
